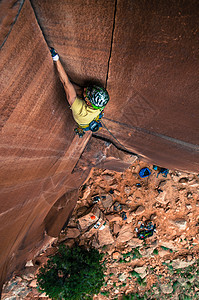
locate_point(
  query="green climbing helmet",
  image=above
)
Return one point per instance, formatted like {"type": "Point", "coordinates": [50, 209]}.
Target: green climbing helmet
{"type": "Point", "coordinates": [98, 96]}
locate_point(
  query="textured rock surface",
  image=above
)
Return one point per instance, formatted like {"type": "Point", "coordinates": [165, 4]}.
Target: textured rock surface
{"type": "Point", "coordinates": [152, 80]}
{"type": "Point", "coordinates": [81, 33]}
{"type": "Point", "coordinates": [151, 73]}
{"type": "Point", "coordinates": [9, 11]}
{"type": "Point", "coordinates": [153, 76]}
{"type": "Point", "coordinates": [125, 234]}
{"type": "Point", "coordinates": [38, 147]}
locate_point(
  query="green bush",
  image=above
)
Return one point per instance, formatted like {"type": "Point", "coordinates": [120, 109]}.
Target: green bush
{"type": "Point", "coordinates": [155, 251]}
{"type": "Point", "coordinates": [133, 297]}
{"type": "Point", "coordinates": [74, 274]}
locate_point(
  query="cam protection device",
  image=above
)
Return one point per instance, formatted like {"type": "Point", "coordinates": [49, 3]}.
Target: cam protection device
{"type": "Point", "coordinates": [98, 96]}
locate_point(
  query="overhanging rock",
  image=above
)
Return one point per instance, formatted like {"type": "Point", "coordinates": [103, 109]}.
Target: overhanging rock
{"type": "Point", "coordinates": [146, 54]}
{"type": "Point", "coordinates": [39, 149]}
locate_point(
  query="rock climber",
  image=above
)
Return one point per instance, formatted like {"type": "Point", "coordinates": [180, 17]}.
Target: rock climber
{"type": "Point", "coordinates": [88, 110]}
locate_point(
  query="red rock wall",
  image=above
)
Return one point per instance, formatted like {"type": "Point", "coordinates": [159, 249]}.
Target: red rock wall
{"type": "Point", "coordinates": [39, 149]}
{"type": "Point", "coordinates": [153, 81]}
{"type": "Point", "coordinates": [81, 33]}
{"type": "Point", "coordinates": [153, 69]}
{"type": "Point", "coordinates": [152, 65]}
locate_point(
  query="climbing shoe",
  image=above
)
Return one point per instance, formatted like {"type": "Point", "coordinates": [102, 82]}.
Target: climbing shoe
{"type": "Point", "coordinates": [79, 131]}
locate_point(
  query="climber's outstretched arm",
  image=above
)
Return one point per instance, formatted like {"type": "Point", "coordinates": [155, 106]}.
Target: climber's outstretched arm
{"type": "Point", "coordinates": [69, 88]}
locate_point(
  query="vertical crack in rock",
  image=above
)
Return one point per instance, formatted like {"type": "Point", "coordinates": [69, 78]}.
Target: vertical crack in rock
{"type": "Point", "coordinates": [21, 2]}
{"type": "Point", "coordinates": [36, 17]}
{"type": "Point", "coordinates": [114, 17]}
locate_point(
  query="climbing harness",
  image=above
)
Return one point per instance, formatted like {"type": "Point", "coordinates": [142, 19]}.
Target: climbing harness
{"type": "Point", "coordinates": [94, 126]}
{"type": "Point", "coordinates": [146, 230]}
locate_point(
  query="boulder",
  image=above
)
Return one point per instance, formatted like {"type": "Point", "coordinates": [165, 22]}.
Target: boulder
{"type": "Point", "coordinates": [194, 183]}
{"type": "Point", "coordinates": [146, 251]}
{"type": "Point", "coordinates": [139, 210]}
{"type": "Point", "coordinates": [116, 228]}
{"type": "Point", "coordinates": [179, 264]}
{"type": "Point", "coordinates": [134, 243]}
{"type": "Point", "coordinates": [83, 210]}
{"type": "Point", "coordinates": [114, 218]}
{"type": "Point", "coordinates": [162, 184]}
{"type": "Point", "coordinates": [29, 264]}
{"type": "Point", "coordinates": [28, 276]}
{"type": "Point", "coordinates": [163, 252]}
{"type": "Point", "coordinates": [72, 233]}
{"type": "Point", "coordinates": [125, 234]}
{"type": "Point", "coordinates": [162, 197]}
{"type": "Point", "coordinates": [141, 271]}
{"type": "Point", "coordinates": [122, 277]}
{"type": "Point", "coordinates": [170, 245]}
{"type": "Point", "coordinates": [108, 178]}
{"type": "Point", "coordinates": [86, 192]}
{"type": "Point", "coordinates": [43, 295]}
{"type": "Point", "coordinates": [105, 237]}
{"type": "Point", "coordinates": [183, 180]}
{"type": "Point", "coordinates": [69, 243]}
{"type": "Point", "coordinates": [180, 223]}
{"type": "Point", "coordinates": [116, 255]}
{"type": "Point", "coordinates": [166, 288]}
{"type": "Point", "coordinates": [33, 283]}
{"type": "Point", "coordinates": [89, 219]}
{"type": "Point", "coordinates": [107, 202]}
{"type": "Point", "coordinates": [127, 190]}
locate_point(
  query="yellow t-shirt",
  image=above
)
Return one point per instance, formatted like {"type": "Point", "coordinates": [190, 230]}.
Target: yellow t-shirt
{"type": "Point", "coordinates": [82, 113]}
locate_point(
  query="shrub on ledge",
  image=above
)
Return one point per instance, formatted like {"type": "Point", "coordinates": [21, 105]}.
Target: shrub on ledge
{"type": "Point", "coordinates": [74, 274]}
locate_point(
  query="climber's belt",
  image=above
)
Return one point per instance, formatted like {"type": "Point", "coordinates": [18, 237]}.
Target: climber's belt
{"type": "Point", "coordinates": [95, 125]}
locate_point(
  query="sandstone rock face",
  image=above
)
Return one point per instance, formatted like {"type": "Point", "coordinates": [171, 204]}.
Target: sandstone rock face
{"type": "Point", "coordinates": [153, 109]}
{"type": "Point", "coordinates": [38, 147]}
{"type": "Point", "coordinates": [147, 60]}
{"type": "Point", "coordinates": [81, 34]}
{"type": "Point", "coordinates": [9, 10]}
